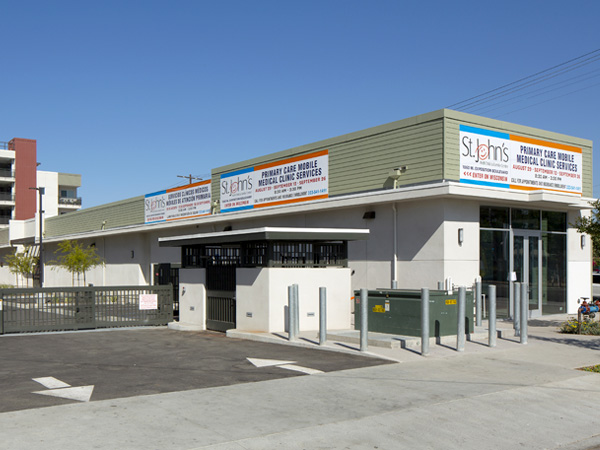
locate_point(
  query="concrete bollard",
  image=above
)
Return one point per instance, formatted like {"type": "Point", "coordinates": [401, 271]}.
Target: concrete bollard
{"type": "Point", "coordinates": [292, 333]}
{"type": "Point", "coordinates": [492, 316]}
{"type": "Point", "coordinates": [364, 320]}
{"type": "Point", "coordinates": [460, 322]}
{"type": "Point", "coordinates": [524, 312]}
{"type": "Point", "coordinates": [517, 308]}
{"type": "Point", "coordinates": [297, 309]}
{"type": "Point", "coordinates": [478, 308]}
{"type": "Point", "coordinates": [322, 315]}
{"type": "Point", "coordinates": [424, 322]}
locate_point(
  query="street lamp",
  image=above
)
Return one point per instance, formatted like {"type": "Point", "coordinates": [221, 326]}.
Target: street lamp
{"type": "Point", "coordinates": [41, 191]}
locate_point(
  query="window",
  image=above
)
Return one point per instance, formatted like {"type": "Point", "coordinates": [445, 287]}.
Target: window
{"type": "Point", "coordinates": [493, 217]}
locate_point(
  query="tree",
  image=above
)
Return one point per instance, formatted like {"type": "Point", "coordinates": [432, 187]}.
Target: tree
{"type": "Point", "coordinates": [22, 264]}
{"type": "Point", "coordinates": [591, 225]}
{"type": "Point", "coordinates": [77, 259]}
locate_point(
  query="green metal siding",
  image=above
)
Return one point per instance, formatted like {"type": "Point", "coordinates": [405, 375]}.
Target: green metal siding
{"type": "Point", "coordinates": [118, 214]}
{"type": "Point", "coordinates": [362, 161]}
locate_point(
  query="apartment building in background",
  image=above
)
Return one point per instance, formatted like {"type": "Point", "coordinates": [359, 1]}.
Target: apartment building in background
{"type": "Point", "coordinates": [19, 177]}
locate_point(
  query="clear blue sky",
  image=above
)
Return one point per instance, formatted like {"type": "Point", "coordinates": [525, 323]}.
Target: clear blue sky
{"type": "Point", "coordinates": [130, 94]}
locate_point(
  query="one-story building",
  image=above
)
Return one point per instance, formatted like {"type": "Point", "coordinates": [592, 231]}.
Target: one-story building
{"type": "Point", "coordinates": [441, 197]}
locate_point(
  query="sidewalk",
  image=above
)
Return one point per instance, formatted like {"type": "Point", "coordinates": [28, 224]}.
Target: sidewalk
{"type": "Point", "coordinates": [514, 395]}
{"type": "Point", "coordinates": [408, 348]}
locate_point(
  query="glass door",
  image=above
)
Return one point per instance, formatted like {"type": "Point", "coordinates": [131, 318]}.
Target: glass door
{"type": "Point", "coordinates": [526, 265]}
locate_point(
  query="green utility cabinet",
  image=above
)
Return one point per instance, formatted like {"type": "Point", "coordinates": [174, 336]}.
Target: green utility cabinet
{"type": "Point", "coordinates": [399, 312]}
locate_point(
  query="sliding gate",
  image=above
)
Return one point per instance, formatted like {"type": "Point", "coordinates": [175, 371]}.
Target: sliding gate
{"type": "Point", "coordinates": [57, 309]}
{"type": "Point", "coordinates": [221, 264]}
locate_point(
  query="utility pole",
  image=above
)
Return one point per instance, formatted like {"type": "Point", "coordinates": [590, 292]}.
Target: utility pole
{"type": "Point", "coordinates": [41, 192]}
{"type": "Point", "coordinates": [189, 178]}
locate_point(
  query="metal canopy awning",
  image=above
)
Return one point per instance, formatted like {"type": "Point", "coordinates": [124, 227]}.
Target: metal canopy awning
{"type": "Point", "coordinates": [267, 234]}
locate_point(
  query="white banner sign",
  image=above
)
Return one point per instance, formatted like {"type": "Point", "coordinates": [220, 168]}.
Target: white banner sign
{"type": "Point", "coordinates": [291, 180]}
{"type": "Point", "coordinates": [183, 202]}
{"type": "Point", "coordinates": [504, 160]}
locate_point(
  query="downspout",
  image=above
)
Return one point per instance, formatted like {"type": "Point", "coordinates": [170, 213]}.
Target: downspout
{"type": "Point", "coordinates": [395, 261]}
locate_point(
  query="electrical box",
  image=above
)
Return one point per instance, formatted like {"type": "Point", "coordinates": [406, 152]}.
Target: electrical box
{"type": "Point", "coordinates": [399, 312]}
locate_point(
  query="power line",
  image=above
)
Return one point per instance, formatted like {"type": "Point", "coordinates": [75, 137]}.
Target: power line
{"type": "Point", "coordinates": [516, 91]}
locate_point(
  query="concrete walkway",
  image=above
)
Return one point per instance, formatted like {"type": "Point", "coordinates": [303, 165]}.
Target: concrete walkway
{"type": "Point", "coordinates": [528, 396]}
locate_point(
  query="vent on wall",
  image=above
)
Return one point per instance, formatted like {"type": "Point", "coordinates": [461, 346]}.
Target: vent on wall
{"type": "Point", "coordinates": [369, 215]}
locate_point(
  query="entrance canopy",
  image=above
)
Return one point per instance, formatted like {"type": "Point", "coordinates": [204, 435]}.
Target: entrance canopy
{"type": "Point", "coordinates": [267, 247]}
{"type": "Point", "coordinates": [267, 234]}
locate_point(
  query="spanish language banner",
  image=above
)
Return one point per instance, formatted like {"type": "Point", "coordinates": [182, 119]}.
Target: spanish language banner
{"type": "Point", "coordinates": [493, 158]}
{"type": "Point", "coordinates": [291, 180]}
{"type": "Point", "coordinates": [182, 202]}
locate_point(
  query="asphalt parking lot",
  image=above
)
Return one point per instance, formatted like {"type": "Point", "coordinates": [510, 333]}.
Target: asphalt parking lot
{"type": "Point", "coordinates": [100, 365]}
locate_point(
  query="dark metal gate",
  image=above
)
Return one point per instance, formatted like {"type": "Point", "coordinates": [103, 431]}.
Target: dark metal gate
{"type": "Point", "coordinates": [164, 275]}
{"type": "Point", "coordinates": [57, 309]}
{"type": "Point", "coordinates": [221, 266]}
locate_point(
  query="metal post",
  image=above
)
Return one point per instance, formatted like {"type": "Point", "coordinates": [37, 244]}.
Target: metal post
{"type": "Point", "coordinates": [524, 312]}
{"type": "Point", "coordinates": [424, 322]}
{"type": "Point", "coordinates": [478, 309]}
{"type": "Point", "coordinates": [492, 315]}
{"type": "Point", "coordinates": [511, 299]}
{"type": "Point", "coordinates": [41, 191]}
{"type": "Point", "coordinates": [322, 315]}
{"type": "Point", "coordinates": [1, 317]}
{"type": "Point", "coordinates": [291, 309]}
{"type": "Point", "coordinates": [460, 314]}
{"type": "Point", "coordinates": [517, 308]}
{"type": "Point", "coordinates": [296, 310]}
{"type": "Point", "coordinates": [364, 320]}
{"type": "Point", "coordinates": [41, 263]}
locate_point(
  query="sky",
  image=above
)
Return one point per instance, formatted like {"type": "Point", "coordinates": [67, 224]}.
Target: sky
{"type": "Point", "coordinates": [131, 94]}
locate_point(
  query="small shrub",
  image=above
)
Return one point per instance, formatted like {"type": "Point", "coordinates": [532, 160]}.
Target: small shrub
{"type": "Point", "coordinates": [587, 327]}
{"type": "Point", "coordinates": [595, 368]}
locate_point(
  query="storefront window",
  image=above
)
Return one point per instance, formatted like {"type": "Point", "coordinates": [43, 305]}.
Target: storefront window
{"type": "Point", "coordinates": [493, 217]}
{"type": "Point", "coordinates": [554, 273]}
{"type": "Point", "coordinates": [494, 266]}
{"type": "Point", "coordinates": [554, 221]}
{"type": "Point", "coordinates": [543, 233]}
{"type": "Point", "coordinates": [525, 219]}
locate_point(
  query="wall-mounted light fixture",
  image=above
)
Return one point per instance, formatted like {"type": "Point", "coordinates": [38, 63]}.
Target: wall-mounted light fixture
{"type": "Point", "coordinates": [461, 236]}
{"type": "Point", "coordinates": [395, 174]}
{"type": "Point", "coordinates": [582, 240]}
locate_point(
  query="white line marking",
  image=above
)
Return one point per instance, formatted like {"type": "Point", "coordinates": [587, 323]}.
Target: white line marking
{"type": "Point", "coordinates": [268, 362]}
{"type": "Point", "coordinates": [81, 393]}
{"type": "Point", "coordinates": [306, 370]}
{"type": "Point", "coordinates": [51, 383]}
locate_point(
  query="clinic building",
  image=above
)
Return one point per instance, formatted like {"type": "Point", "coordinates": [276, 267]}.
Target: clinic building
{"type": "Point", "coordinates": [441, 197]}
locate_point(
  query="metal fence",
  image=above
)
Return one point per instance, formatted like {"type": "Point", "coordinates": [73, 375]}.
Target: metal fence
{"type": "Point", "coordinates": [57, 309]}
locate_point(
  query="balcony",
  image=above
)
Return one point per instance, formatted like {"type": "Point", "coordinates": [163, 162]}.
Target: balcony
{"type": "Point", "coordinates": [7, 173]}
{"type": "Point", "coordinates": [69, 201]}
{"type": "Point", "coordinates": [6, 197]}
